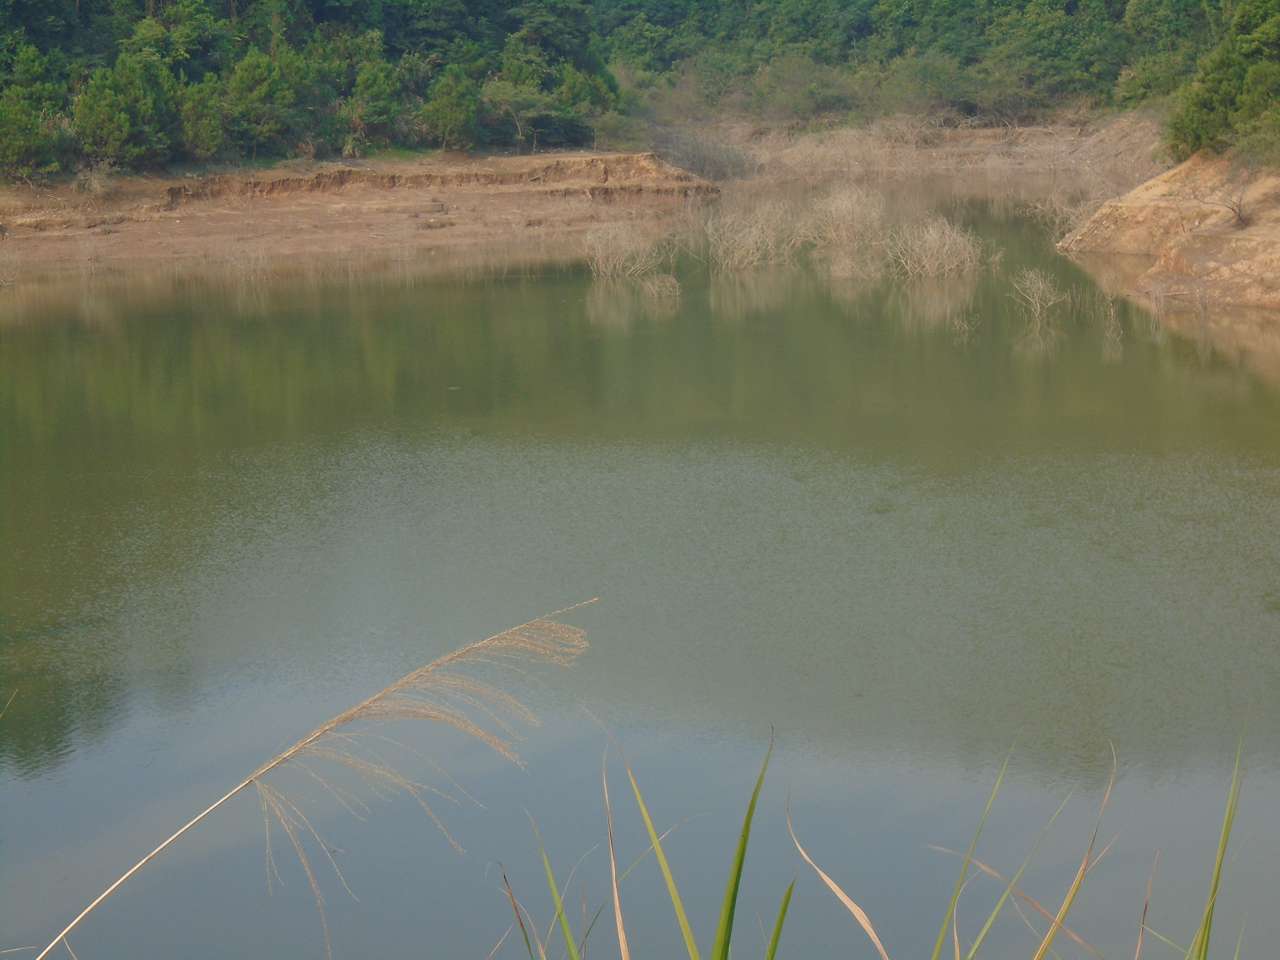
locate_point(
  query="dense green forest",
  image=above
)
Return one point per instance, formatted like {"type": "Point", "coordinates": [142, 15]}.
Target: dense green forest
{"type": "Point", "coordinates": [145, 83]}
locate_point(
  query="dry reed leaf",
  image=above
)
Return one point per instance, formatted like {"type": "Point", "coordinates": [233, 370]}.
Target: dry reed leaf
{"type": "Point", "coordinates": [1146, 904]}
{"type": "Point", "coordinates": [416, 696]}
{"type": "Point", "coordinates": [521, 913]}
{"type": "Point", "coordinates": [501, 940]}
{"type": "Point", "coordinates": [624, 948]}
{"type": "Point", "coordinates": [858, 913]}
{"type": "Point", "coordinates": [1021, 894]}
{"type": "Point", "coordinates": [1078, 880]}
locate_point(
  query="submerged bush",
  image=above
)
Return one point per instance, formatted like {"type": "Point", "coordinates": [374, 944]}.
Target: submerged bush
{"type": "Point", "coordinates": [624, 252]}
{"type": "Point", "coordinates": [933, 248]}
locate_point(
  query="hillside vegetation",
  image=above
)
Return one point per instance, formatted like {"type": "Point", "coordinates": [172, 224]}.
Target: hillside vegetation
{"type": "Point", "coordinates": [146, 83]}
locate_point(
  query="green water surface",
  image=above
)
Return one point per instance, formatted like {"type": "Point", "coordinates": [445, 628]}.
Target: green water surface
{"type": "Point", "coordinates": [873, 517]}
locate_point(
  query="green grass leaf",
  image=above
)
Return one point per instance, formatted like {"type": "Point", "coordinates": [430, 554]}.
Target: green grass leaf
{"type": "Point", "coordinates": [691, 945]}
{"type": "Point", "coordinates": [724, 929]}
{"type": "Point", "coordinates": [772, 952]}
{"type": "Point", "coordinates": [1199, 949]}
{"type": "Point", "coordinates": [1012, 885]}
{"type": "Point", "coordinates": [1059, 920]}
{"type": "Point", "coordinates": [964, 866]}
{"type": "Point", "coordinates": [556, 900]}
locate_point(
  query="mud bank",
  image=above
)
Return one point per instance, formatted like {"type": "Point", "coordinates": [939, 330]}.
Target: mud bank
{"type": "Point", "coordinates": [541, 204]}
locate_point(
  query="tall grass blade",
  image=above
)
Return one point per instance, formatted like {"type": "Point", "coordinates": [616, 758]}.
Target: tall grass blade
{"type": "Point", "coordinates": [501, 940]}
{"type": "Point", "coordinates": [518, 908]}
{"type": "Point", "coordinates": [1146, 905]}
{"type": "Point", "coordinates": [774, 940]}
{"type": "Point", "coordinates": [964, 866]}
{"type": "Point", "coordinates": [557, 901]}
{"type": "Point", "coordinates": [1078, 880]}
{"type": "Point", "coordinates": [1026, 898]}
{"type": "Point", "coordinates": [724, 929]}
{"type": "Point", "coordinates": [1200, 944]}
{"type": "Point", "coordinates": [858, 913]}
{"type": "Point", "coordinates": [690, 944]}
{"type": "Point", "coordinates": [1013, 883]}
{"type": "Point", "coordinates": [1171, 944]}
{"type": "Point", "coordinates": [624, 948]}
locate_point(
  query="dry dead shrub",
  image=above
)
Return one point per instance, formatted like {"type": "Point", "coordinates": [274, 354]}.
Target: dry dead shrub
{"type": "Point", "coordinates": [743, 235]}
{"type": "Point", "coordinates": [1038, 294]}
{"type": "Point", "coordinates": [909, 130]}
{"type": "Point", "coordinates": [847, 225]}
{"type": "Point", "coordinates": [844, 217]}
{"type": "Point", "coordinates": [1062, 211]}
{"type": "Point", "coordinates": [96, 180]}
{"type": "Point", "coordinates": [935, 247]}
{"type": "Point", "coordinates": [848, 154]}
{"type": "Point", "coordinates": [621, 251]}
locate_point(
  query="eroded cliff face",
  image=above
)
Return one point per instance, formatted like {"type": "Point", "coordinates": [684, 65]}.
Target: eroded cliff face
{"type": "Point", "coordinates": [1209, 233]}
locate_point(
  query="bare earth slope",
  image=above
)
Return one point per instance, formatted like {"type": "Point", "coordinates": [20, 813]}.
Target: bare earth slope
{"type": "Point", "coordinates": [1197, 250]}
{"type": "Point", "coordinates": [409, 208]}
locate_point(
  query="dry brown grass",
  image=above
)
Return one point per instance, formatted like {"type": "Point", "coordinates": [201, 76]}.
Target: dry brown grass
{"type": "Point", "coordinates": [443, 691]}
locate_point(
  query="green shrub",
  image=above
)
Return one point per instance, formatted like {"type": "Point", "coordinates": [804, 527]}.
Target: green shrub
{"type": "Point", "coordinates": [203, 119]}
{"type": "Point", "coordinates": [1259, 144]}
{"type": "Point", "coordinates": [450, 113]}
{"type": "Point", "coordinates": [1236, 85]}
{"type": "Point", "coordinates": [128, 115]}
{"type": "Point", "coordinates": [260, 103]}
{"type": "Point", "coordinates": [28, 136]}
{"type": "Point", "coordinates": [376, 103]}
{"type": "Point", "coordinates": [33, 131]}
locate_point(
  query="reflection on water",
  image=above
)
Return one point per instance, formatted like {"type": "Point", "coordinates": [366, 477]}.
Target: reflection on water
{"type": "Point", "coordinates": [862, 513]}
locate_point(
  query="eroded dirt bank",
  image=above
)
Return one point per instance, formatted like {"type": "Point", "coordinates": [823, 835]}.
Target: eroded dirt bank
{"type": "Point", "coordinates": [1201, 233]}
{"type": "Point", "coordinates": [416, 208]}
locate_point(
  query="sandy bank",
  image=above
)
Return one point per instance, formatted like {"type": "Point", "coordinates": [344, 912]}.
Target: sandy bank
{"type": "Point", "coordinates": [417, 208]}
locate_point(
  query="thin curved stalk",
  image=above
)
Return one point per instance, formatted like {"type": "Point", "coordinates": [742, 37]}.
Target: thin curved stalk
{"type": "Point", "coordinates": [371, 705]}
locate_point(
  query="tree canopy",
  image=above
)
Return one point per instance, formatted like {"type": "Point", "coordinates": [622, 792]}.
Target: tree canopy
{"type": "Point", "coordinates": [143, 83]}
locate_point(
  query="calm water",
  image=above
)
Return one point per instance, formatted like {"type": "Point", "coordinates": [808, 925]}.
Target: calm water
{"type": "Point", "coordinates": [875, 519]}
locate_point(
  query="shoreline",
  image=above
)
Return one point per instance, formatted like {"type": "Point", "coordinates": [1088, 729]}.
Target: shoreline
{"type": "Point", "coordinates": [537, 207]}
